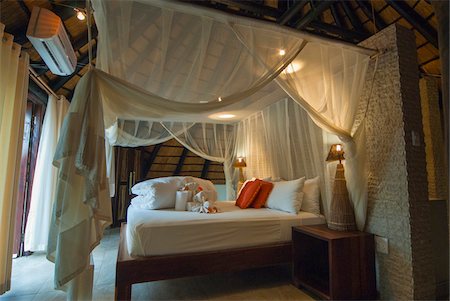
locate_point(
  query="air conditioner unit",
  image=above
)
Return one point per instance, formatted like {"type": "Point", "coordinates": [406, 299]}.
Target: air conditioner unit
{"type": "Point", "coordinates": [47, 34]}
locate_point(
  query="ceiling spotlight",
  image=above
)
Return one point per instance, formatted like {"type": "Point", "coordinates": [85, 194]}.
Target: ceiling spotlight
{"type": "Point", "coordinates": [80, 15]}
{"type": "Point", "coordinates": [282, 52]}
{"type": "Point", "coordinates": [219, 99]}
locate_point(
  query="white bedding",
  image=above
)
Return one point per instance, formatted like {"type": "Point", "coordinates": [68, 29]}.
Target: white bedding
{"type": "Point", "coordinates": [163, 232]}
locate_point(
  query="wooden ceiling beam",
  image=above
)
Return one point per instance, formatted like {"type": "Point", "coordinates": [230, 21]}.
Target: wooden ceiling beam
{"type": "Point", "coordinates": [367, 10]}
{"type": "Point", "coordinates": [205, 169]}
{"type": "Point", "coordinates": [181, 162]}
{"type": "Point", "coordinates": [290, 13]}
{"type": "Point", "coordinates": [313, 14]}
{"type": "Point", "coordinates": [147, 165]}
{"type": "Point", "coordinates": [253, 7]}
{"type": "Point", "coordinates": [346, 34]}
{"type": "Point", "coordinates": [416, 20]}
{"type": "Point", "coordinates": [336, 16]}
{"type": "Point", "coordinates": [356, 23]}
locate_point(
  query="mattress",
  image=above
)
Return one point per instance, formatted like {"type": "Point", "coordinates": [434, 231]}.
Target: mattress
{"type": "Point", "coordinates": [164, 232]}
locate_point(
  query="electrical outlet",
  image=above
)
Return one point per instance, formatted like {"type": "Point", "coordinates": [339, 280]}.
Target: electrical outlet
{"type": "Point", "coordinates": [381, 244]}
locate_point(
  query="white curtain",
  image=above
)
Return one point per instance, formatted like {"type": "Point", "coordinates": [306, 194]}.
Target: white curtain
{"type": "Point", "coordinates": [214, 142]}
{"type": "Point", "coordinates": [13, 98]}
{"type": "Point", "coordinates": [282, 141]}
{"type": "Point", "coordinates": [45, 176]}
{"type": "Point", "coordinates": [327, 81]}
{"type": "Point", "coordinates": [82, 206]}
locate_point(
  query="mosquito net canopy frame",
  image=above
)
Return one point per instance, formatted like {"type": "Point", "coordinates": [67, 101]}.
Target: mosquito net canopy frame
{"type": "Point", "coordinates": [166, 69]}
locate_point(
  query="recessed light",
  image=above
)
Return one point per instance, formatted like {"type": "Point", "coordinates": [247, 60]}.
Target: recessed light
{"type": "Point", "coordinates": [282, 52]}
{"type": "Point", "coordinates": [226, 116]}
{"type": "Point", "coordinates": [219, 99]}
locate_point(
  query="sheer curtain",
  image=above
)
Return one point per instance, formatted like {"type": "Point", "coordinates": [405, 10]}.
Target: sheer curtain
{"type": "Point", "coordinates": [13, 97]}
{"type": "Point", "coordinates": [45, 176]}
{"type": "Point", "coordinates": [282, 141]}
{"type": "Point", "coordinates": [327, 80]}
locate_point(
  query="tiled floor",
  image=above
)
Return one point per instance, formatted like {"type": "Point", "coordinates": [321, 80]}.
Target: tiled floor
{"type": "Point", "coordinates": [32, 279]}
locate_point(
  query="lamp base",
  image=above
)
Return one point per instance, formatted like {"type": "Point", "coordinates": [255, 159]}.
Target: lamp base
{"type": "Point", "coordinates": [341, 216]}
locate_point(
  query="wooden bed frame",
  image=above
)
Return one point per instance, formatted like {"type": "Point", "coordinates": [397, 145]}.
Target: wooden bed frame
{"type": "Point", "coordinates": [130, 270]}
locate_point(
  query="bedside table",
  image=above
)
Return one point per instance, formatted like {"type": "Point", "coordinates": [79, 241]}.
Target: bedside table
{"type": "Point", "coordinates": [334, 264]}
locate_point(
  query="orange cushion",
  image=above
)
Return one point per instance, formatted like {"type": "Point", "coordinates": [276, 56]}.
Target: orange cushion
{"type": "Point", "coordinates": [248, 194]}
{"type": "Point", "coordinates": [263, 194]}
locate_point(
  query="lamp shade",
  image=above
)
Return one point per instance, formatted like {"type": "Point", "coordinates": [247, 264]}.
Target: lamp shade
{"type": "Point", "coordinates": [240, 162]}
{"type": "Point", "coordinates": [336, 153]}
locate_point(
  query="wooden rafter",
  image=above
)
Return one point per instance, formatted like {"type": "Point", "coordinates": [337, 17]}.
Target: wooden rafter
{"type": "Point", "coordinates": [145, 167]}
{"type": "Point", "coordinates": [415, 20]}
{"type": "Point", "coordinates": [205, 169]}
{"type": "Point", "coordinates": [289, 14]}
{"type": "Point", "coordinates": [253, 7]}
{"type": "Point", "coordinates": [336, 16]}
{"type": "Point", "coordinates": [367, 10]}
{"type": "Point", "coordinates": [181, 161]}
{"type": "Point", "coordinates": [346, 34]}
{"type": "Point", "coordinates": [356, 23]}
{"type": "Point", "coordinates": [313, 13]}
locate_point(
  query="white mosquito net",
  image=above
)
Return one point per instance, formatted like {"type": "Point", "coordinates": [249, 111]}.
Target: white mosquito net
{"type": "Point", "coordinates": [223, 86]}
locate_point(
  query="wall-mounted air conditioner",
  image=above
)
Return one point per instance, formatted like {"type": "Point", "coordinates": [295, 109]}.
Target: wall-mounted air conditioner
{"type": "Point", "coordinates": [47, 34]}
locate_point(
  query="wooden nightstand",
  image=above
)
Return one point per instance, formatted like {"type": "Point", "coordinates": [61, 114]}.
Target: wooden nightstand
{"type": "Point", "coordinates": [333, 264]}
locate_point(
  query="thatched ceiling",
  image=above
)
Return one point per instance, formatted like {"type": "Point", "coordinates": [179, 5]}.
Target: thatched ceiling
{"type": "Point", "coordinates": [351, 20]}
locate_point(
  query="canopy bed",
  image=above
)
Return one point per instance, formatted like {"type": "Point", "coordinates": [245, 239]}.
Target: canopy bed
{"type": "Point", "coordinates": [223, 86]}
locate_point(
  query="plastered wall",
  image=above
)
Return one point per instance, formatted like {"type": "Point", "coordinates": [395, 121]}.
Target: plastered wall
{"type": "Point", "coordinates": [398, 206]}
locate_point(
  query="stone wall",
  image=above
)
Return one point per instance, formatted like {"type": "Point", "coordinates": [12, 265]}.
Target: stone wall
{"type": "Point", "coordinates": [434, 138]}
{"type": "Point", "coordinates": [397, 192]}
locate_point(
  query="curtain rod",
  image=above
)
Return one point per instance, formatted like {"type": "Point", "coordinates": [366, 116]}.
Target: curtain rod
{"type": "Point", "coordinates": [41, 83]}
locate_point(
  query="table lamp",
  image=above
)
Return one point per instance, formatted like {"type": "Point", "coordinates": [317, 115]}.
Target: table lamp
{"type": "Point", "coordinates": [341, 216]}
{"type": "Point", "coordinates": [240, 163]}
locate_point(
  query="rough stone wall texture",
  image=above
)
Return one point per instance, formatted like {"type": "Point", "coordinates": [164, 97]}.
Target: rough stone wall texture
{"type": "Point", "coordinates": [397, 186]}
{"type": "Point", "coordinates": [434, 138]}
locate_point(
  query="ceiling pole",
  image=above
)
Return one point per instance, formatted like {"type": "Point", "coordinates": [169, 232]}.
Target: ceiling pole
{"type": "Point", "coordinates": [313, 13]}
{"type": "Point", "coordinates": [416, 20]}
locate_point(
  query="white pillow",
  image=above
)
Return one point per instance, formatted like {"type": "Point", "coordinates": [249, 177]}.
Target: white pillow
{"type": "Point", "coordinates": [141, 202]}
{"type": "Point", "coordinates": [142, 188]}
{"type": "Point", "coordinates": [311, 197]}
{"type": "Point", "coordinates": [285, 196]}
{"type": "Point", "coordinates": [159, 195]}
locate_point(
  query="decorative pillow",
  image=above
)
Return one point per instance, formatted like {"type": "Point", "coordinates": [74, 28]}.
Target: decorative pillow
{"type": "Point", "coordinates": [142, 188]}
{"type": "Point", "coordinates": [263, 194]}
{"type": "Point", "coordinates": [243, 185]}
{"type": "Point", "coordinates": [248, 194]}
{"type": "Point", "coordinates": [206, 186]}
{"type": "Point", "coordinates": [284, 196]}
{"type": "Point", "coordinates": [311, 197]}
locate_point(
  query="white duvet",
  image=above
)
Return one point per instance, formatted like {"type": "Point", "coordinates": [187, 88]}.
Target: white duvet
{"type": "Point", "coordinates": [163, 232]}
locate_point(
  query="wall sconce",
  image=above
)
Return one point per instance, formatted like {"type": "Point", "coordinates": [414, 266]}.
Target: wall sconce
{"type": "Point", "coordinates": [240, 163]}
{"type": "Point", "coordinates": [341, 216]}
